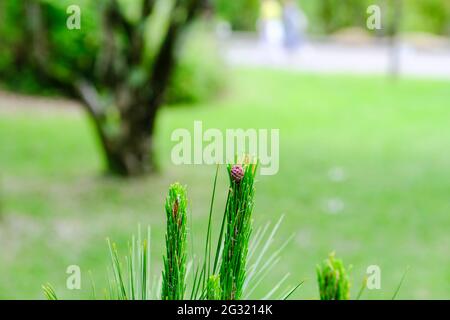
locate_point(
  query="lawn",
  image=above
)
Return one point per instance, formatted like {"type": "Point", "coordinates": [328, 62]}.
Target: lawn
{"type": "Point", "coordinates": [364, 170]}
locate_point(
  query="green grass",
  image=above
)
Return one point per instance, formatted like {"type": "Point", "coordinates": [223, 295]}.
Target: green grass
{"type": "Point", "coordinates": [390, 139]}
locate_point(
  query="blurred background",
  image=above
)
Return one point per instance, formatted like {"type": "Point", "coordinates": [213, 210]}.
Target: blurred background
{"type": "Point", "coordinates": [361, 96]}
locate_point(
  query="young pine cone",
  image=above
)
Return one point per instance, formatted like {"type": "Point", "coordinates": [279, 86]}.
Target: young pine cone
{"type": "Point", "coordinates": [237, 173]}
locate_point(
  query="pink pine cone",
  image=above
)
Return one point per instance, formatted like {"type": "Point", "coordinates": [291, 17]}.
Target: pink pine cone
{"type": "Point", "coordinates": [237, 173]}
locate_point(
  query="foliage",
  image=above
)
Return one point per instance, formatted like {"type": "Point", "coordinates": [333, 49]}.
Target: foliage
{"type": "Point", "coordinates": [327, 16]}
{"type": "Point", "coordinates": [201, 72]}
{"type": "Point", "coordinates": [238, 229]}
{"type": "Point", "coordinates": [49, 292]}
{"type": "Point", "coordinates": [241, 14]}
{"type": "Point", "coordinates": [427, 16]}
{"type": "Point", "coordinates": [198, 76]}
{"type": "Point", "coordinates": [214, 291]}
{"type": "Point", "coordinates": [70, 52]}
{"type": "Point", "coordinates": [333, 279]}
{"type": "Point", "coordinates": [137, 269]}
{"type": "Point", "coordinates": [134, 282]}
{"type": "Point", "coordinates": [173, 285]}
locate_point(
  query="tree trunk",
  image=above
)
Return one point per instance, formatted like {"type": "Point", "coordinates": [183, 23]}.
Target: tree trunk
{"type": "Point", "coordinates": [131, 153]}
{"type": "Point", "coordinates": [134, 158]}
{"type": "Point", "coordinates": [128, 150]}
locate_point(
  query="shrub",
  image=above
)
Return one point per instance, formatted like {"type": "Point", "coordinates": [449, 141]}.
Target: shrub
{"type": "Point", "coordinates": [242, 14]}
{"type": "Point", "coordinates": [201, 72]}
{"type": "Point", "coordinates": [427, 15]}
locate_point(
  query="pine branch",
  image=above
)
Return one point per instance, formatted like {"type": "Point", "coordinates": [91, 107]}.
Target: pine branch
{"type": "Point", "coordinates": [173, 286]}
{"type": "Point", "coordinates": [238, 229]}
{"type": "Point", "coordinates": [333, 279]}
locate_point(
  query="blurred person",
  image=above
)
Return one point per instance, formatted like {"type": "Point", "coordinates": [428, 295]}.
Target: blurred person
{"type": "Point", "coordinates": [294, 24]}
{"type": "Point", "coordinates": [271, 26]}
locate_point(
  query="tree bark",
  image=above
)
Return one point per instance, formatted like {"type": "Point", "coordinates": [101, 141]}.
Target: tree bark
{"type": "Point", "coordinates": [132, 152]}
{"type": "Point", "coordinates": [134, 158]}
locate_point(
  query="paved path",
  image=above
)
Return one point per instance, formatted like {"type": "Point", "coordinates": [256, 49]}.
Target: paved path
{"type": "Point", "coordinates": [324, 57]}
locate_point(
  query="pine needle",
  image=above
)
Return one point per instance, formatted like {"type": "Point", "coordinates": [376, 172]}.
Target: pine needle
{"type": "Point", "coordinates": [400, 284]}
